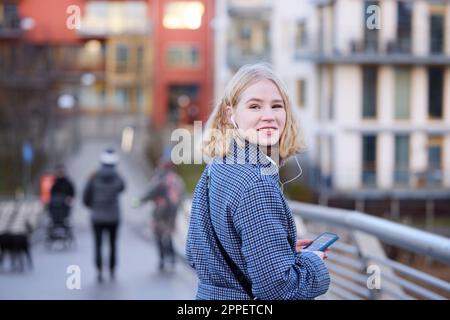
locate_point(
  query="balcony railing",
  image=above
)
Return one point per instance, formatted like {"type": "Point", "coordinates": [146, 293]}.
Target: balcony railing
{"type": "Point", "coordinates": [368, 51]}
{"type": "Point", "coordinates": [237, 57]}
{"type": "Point", "coordinates": [10, 27]}
{"type": "Point", "coordinates": [403, 182]}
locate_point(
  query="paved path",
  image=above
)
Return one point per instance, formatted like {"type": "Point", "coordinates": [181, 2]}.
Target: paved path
{"type": "Point", "coordinates": [137, 274]}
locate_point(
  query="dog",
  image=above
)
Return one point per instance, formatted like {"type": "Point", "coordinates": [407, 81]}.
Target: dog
{"type": "Point", "coordinates": [17, 222]}
{"type": "Point", "coordinates": [17, 247]}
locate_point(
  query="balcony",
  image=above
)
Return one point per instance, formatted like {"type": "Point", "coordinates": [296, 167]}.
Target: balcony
{"type": "Point", "coordinates": [364, 51]}
{"type": "Point", "coordinates": [27, 66]}
{"type": "Point", "coordinates": [10, 28]}
{"type": "Point", "coordinates": [260, 9]}
{"type": "Point", "coordinates": [238, 57]}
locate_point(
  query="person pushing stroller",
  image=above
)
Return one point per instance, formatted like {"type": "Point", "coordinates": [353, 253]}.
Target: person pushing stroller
{"type": "Point", "coordinates": [62, 194]}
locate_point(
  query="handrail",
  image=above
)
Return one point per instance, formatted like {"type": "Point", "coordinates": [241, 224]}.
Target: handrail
{"type": "Point", "coordinates": [414, 240]}
{"type": "Point", "coordinates": [349, 277]}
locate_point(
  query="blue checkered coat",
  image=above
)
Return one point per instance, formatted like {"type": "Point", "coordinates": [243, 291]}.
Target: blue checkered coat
{"type": "Point", "coordinates": [255, 226]}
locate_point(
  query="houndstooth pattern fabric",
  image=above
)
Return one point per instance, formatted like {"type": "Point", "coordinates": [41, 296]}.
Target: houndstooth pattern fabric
{"type": "Point", "coordinates": [255, 226]}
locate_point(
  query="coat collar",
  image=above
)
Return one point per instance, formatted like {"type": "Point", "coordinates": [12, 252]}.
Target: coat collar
{"type": "Point", "coordinates": [244, 152]}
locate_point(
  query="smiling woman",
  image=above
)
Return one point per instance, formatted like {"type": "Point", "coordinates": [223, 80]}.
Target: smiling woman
{"type": "Point", "coordinates": [260, 113]}
{"type": "Point", "coordinates": [242, 237]}
{"type": "Point", "coordinates": [255, 103]}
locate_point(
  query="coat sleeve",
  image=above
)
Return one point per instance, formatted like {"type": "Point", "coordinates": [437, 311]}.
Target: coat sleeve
{"type": "Point", "coordinates": [275, 270]}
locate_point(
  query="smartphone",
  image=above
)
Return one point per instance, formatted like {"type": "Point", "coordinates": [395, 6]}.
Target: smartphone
{"type": "Point", "coordinates": [322, 242]}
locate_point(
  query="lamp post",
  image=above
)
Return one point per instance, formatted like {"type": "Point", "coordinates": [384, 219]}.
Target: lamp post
{"type": "Point", "coordinates": [27, 157]}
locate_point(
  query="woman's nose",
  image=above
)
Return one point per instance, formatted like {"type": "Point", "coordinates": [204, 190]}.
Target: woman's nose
{"type": "Point", "coordinates": [268, 114]}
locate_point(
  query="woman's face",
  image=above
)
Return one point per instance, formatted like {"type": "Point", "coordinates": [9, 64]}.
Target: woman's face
{"type": "Point", "coordinates": [260, 113]}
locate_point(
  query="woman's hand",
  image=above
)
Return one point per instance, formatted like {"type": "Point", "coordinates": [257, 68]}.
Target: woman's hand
{"type": "Point", "coordinates": [320, 254]}
{"type": "Point", "coordinates": [301, 244]}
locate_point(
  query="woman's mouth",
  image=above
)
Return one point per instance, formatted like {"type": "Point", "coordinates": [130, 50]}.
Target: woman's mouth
{"type": "Point", "coordinates": [267, 130]}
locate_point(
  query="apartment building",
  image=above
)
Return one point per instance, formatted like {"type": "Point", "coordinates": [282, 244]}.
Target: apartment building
{"type": "Point", "coordinates": [369, 79]}
{"type": "Point", "coordinates": [382, 106]}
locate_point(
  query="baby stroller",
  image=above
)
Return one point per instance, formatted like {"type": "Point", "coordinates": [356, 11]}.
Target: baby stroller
{"type": "Point", "coordinates": [59, 228]}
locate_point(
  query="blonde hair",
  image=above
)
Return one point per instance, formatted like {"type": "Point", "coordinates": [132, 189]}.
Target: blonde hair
{"type": "Point", "coordinates": [219, 132]}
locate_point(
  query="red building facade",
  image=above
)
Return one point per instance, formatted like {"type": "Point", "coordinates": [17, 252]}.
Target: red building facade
{"type": "Point", "coordinates": [183, 69]}
{"type": "Point", "coordinates": [181, 49]}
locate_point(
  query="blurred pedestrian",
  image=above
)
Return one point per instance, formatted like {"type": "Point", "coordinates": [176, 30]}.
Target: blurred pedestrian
{"type": "Point", "coordinates": [101, 195]}
{"type": "Point", "coordinates": [167, 192]}
{"type": "Point", "coordinates": [62, 194]}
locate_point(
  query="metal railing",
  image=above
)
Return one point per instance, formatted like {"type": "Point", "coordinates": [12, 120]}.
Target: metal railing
{"type": "Point", "coordinates": [360, 250]}
{"type": "Point", "coordinates": [358, 258]}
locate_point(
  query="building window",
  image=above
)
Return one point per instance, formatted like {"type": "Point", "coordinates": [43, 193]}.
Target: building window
{"type": "Point", "coordinates": [401, 170]}
{"type": "Point", "coordinates": [91, 56]}
{"type": "Point", "coordinates": [301, 40]}
{"type": "Point", "coordinates": [434, 172]}
{"type": "Point", "coordinates": [183, 15]}
{"type": "Point", "coordinates": [140, 99]}
{"type": "Point", "coordinates": [248, 41]}
{"type": "Point", "coordinates": [402, 93]}
{"type": "Point", "coordinates": [369, 156]}
{"type": "Point", "coordinates": [369, 92]}
{"type": "Point", "coordinates": [183, 57]}
{"type": "Point", "coordinates": [183, 105]}
{"type": "Point", "coordinates": [404, 25]}
{"type": "Point", "coordinates": [122, 100]}
{"type": "Point", "coordinates": [91, 97]}
{"type": "Point", "coordinates": [437, 28]}
{"type": "Point", "coordinates": [325, 148]}
{"type": "Point", "coordinates": [122, 55]}
{"type": "Point", "coordinates": [114, 17]}
{"type": "Point", "coordinates": [301, 91]}
{"type": "Point", "coordinates": [326, 93]}
{"type": "Point", "coordinates": [9, 17]}
{"type": "Point", "coordinates": [140, 57]}
{"type": "Point", "coordinates": [435, 92]}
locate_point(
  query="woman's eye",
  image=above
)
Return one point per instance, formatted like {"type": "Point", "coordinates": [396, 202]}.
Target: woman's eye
{"type": "Point", "coordinates": [277, 106]}
{"type": "Point", "coordinates": [254, 106]}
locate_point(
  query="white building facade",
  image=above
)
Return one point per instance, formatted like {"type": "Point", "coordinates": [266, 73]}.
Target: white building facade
{"type": "Point", "coordinates": [370, 79]}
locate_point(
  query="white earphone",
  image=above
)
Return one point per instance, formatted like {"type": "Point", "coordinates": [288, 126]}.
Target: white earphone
{"type": "Point", "coordinates": [233, 122]}
{"type": "Point", "coordinates": [290, 180]}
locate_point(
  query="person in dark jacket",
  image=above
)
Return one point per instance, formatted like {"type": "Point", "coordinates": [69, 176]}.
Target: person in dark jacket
{"type": "Point", "coordinates": [101, 195]}
{"type": "Point", "coordinates": [61, 196]}
{"type": "Point", "coordinates": [166, 191]}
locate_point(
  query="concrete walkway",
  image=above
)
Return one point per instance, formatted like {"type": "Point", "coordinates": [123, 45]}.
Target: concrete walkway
{"type": "Point", "coordinates": [137, 274]}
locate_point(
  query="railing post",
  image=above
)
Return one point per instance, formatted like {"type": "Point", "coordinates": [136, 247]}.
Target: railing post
{"type": "Point", "coordinates": [359, 205]}
{"type": "Point", "coordinates": [395, 209]}
{"type": "Point", "coordinates": [430, 215]}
